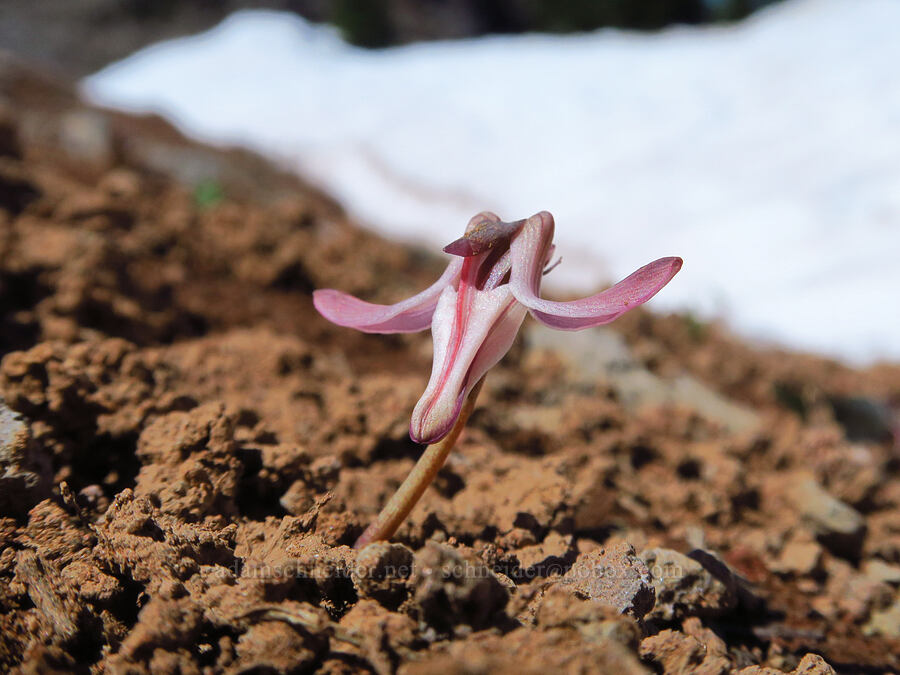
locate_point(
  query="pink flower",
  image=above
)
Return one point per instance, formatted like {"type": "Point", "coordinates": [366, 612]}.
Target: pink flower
{"type": "Point", "coordinates": [476, 307]}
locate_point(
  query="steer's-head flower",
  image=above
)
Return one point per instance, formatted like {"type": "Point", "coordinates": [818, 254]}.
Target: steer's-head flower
{"type": "Point", "coordinates": [476, 307]}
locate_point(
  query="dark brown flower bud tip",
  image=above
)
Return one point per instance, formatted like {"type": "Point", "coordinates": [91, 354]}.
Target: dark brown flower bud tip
{"type": "Point", "coordinates": [462, 247]}
{"type": "Point", "coordinates": [483, 233]}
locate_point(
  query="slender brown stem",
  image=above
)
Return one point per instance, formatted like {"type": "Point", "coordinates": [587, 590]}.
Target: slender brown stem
{"type": "Point", "coordinates": [418, 480]}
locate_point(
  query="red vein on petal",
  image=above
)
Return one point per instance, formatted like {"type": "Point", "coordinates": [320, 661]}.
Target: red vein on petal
{"type": "Point", "coordinates": [463, 298]}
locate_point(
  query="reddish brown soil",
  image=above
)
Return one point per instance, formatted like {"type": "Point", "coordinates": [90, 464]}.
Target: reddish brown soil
{"type": "Point", "coordinates": [188, 451]}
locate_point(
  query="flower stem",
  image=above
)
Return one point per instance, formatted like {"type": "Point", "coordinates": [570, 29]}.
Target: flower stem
{"type": "Point", "coordinates": [418, 480]}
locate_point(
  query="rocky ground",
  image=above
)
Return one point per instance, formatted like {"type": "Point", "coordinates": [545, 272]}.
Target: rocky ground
{"type": "Point", "coordinates": [187, 451]}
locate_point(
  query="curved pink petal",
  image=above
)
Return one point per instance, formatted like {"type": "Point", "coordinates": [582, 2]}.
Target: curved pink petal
{"type": "Point", "coordinates": [407, 316]}
{"type": "Point", "coordinates": [468, 341]}
{"type": "Point", "coordinates": [530, 250]}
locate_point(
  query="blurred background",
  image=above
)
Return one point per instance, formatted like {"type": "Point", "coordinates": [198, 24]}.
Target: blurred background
{"type": "Point", "coordinates": [759, 140]}
{"type": "Point", "coordinates": [62, 33]}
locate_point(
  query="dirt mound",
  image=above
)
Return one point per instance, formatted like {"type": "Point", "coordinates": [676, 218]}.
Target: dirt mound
{"type": "Point", "coordinates": [188, 451]}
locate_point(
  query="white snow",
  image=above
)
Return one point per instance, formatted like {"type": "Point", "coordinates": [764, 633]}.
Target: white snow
{"type": "Point", "coordinates": [766, 154]}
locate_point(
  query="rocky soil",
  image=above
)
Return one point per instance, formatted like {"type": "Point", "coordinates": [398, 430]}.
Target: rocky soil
{"type": "Point", "coordinates": [188, 451]}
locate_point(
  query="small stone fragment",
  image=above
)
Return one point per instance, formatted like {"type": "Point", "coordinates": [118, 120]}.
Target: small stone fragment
{"type": "Point", "coordinates": [813, 664]}
{"type": "Point", "coordinates": [839, 527]}
{"type": "Point", "coordinates": [25, 471]}
{"type": "Point", "coordinates": [684, 587]}
{"type": "Point", "coordinates": [613, 576]}
{"type": "Point", "coordinates": [863, 419]}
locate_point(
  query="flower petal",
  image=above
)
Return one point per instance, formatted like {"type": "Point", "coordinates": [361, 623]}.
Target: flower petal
{"type": "Point", "coordinates": [407, 316]}
{"type": "Point", "coordinates": [468, 341]}
{"type": "Point", "coordinates": [530, 250]}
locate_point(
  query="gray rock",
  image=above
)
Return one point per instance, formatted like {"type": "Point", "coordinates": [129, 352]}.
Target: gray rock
{"type": "Point", "coordinates": [700, 585]}
{"type": "Point", "coordinates": [25, 471]}
{"type": "Point", "coordinates": [839, 527]}
{"type": "Point", "coordinates": [613, 576]}
{"type": "Point", "coordinates": [602, 353]}
{"type": "Point", "coordinates": [863, 419]}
